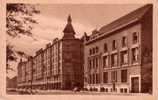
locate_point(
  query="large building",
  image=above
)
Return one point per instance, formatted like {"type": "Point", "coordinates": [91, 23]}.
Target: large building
{"type": "Point", "coordinates": [58, 66]}
{"type": "Point", "coordinates": [118, 56]}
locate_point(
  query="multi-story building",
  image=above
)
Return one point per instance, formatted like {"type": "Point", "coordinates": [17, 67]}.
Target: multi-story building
{"type": "Point", "coordinates": [38, 70]}
{"type": "Point", "coordinates": [28, 72]}
{"type": "Point", "coordinates": [52, 62]}
{"type": "Point", "coordinates": [21, 74]}
{"type": "Point", "coordinates": [58, 66]}
{"type": "Point", "coordinates": [118, 56]}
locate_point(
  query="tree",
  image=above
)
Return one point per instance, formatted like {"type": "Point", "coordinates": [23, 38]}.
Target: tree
{"type": "Point", "coordinates": [19, 20]}
{"type": "Point", "coordinates": [10, 56]}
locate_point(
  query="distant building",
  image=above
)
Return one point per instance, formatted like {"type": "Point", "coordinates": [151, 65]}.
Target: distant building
{"type": "Point", "coordinates": [58, 66]}
{"type": "Point", "coordinates": [21, 78]}
{"type": "Point", "coordinates": [118, 56]}
{"type": "Point", "coordinates": [11, 83]}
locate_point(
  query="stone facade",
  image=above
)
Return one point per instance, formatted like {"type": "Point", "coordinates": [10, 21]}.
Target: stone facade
{"type": "Point", "coordinates": [114, 55]}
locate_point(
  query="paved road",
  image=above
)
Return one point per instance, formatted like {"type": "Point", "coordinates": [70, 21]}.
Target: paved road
{"type": "Point", "coordinates": [60, 92]}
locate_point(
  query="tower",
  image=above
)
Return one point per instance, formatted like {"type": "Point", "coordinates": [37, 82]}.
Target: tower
{"type": "Point", "coordinates": [72, 53]}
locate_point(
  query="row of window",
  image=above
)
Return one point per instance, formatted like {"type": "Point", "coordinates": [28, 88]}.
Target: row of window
{"type": "Point", "coordinates": [94, 63]}
{"type": "Point", "coordinates": [115, 45]}
{"type": "Point", "coordinates": [95, 78]}
{"type": "Point", "coordinates": [124, 58]}
{"type": "Point", "coordinates": [93, 50]}
{"type": "Point", "coordinates": [114, 76]}
{"type": "Point", "coordinates": [114, 59]}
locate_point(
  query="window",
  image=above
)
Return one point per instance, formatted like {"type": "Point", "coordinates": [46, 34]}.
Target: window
{"type": "Point", "coordinates": [93, 50]}
{"type": "Point", "coordinates": [134, 55]}
{"type": "Point", "coordinates": [105, 77]}
{"type": "Point", "coordinates": [90, 51]}
{"type": "Point", "coordinates": [93, 78]}
{"type": "Point", "coordinates": [97, 78]}
{"type": "Point", "coordinates": [121, 90]}
{"type": "Point", "coordinates": [105, 47]}
{"type": "Point", "coordinates": [94, 75]}
{"type": "Point", "coordinates": [96, 50]}
{"type": "Point", "coordinates": [124, 57]}
{"type": "Point", "coordinates": [114, 45]}
{"type": "Point", "coordinates": [90, 79]}
{"type": "Point", "coordinates": [93, 63]}
{"type": "Point", "coordinates": [106, 89]}
{"type": "Point", "coordinates": [124, 41]}
{"type": "Point", "coordinates": [124, 75]}
{"type": "Point", "coordinates": [135, 37]}
{"type": "Point", "coordinates": [125, 90]}
{"type": "Point", "coordinates": [96, 62]}
{"type": "Point", "coordinates": [114, 59]}
{"type": "Point", "coordinates": [114, 76]}
{"type": "Point", "coordinates": [90, 64]}
{"type": "Point", "coordinates": [105, 61]}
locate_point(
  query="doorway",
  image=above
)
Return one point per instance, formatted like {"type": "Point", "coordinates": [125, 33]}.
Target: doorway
{"type": "Point", "coordinates": [135, 84]}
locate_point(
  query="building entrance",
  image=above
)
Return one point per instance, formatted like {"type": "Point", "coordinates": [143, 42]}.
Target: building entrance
{"type": "Point", "coordinates": [135, 84]}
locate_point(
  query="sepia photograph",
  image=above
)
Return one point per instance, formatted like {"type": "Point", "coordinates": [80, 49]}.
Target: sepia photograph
{"type": "Point", "coordinates": [79, 49]}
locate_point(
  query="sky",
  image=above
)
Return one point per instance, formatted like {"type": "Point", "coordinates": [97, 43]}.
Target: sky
{"type": "Point", "coordinates": [53, 19]}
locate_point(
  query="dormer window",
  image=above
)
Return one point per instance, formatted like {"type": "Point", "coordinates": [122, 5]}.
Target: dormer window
{"type": "Point", "coordinates": [135, 37]}
{"type": "Point", "coordinates": [114, 44]}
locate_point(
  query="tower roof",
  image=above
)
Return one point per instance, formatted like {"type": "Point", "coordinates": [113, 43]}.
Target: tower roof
{"type": "Point", "coordinates": [69, 30]}
{"type": "Point", "coordinates": [69, 18]}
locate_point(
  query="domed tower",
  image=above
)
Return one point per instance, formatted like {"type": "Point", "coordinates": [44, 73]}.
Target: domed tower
{"type": "Point", "coordinates": [69, 30]}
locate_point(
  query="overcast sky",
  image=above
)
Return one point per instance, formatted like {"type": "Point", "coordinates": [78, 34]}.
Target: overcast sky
{"type": "Point", "coordinates": [53, 18]}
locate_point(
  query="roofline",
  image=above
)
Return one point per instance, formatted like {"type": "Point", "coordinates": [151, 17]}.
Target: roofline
{"type": "Point", "coordinates": [114, 30]}
{"type": "Point", "coordinates": [37, 54]}
{"type": "Point", "coordinates": [71, 39]}
{"type": "Point", "coordinates": [136, 10]}
{"type": "Point", "coordinates": [46, 48]}
{"type": "Point", "coordinates": [109, 32]}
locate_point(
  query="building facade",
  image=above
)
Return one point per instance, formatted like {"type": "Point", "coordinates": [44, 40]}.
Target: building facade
{"type": "Point", "coordinates": [118, 56]}
{"type": "Point", "coordinates": [21, 74]}
{"type": "Point", "coordinates": [58, 66]}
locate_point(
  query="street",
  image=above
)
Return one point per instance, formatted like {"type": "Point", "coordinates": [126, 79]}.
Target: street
{"type": "Point", "coordinates": [69, 92]}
